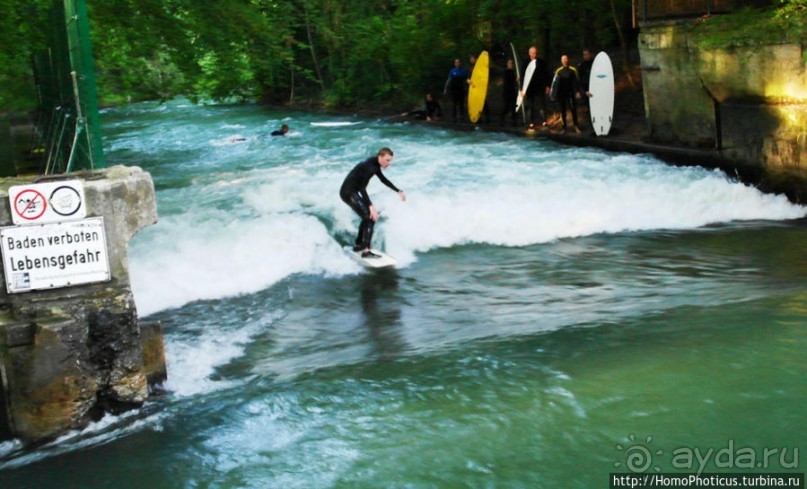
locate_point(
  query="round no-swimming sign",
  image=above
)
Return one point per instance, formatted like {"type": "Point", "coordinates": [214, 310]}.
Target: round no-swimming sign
{"type": "Point", "coordinates": [29, 205]}
{"type": "Point", "coordinates": [42, 203]}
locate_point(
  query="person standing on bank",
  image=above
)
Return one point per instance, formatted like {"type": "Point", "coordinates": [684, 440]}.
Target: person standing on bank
{"type": "Point", "coordinates": [535, 93]}
{"type": "Point", "coordinates": [354, 194]}
{"type": "Point", "coordinates": [584, 69]}
{"type": "Point", "coordinates": [457, 86]}
{"type": "Point", "coordinates": [568, 91]}
{"type": "Point", "coordinates": [509, 92]}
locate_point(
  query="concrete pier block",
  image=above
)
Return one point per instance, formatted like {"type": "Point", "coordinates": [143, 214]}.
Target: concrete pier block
{"type": "Point", "coordinates": [69, 355]}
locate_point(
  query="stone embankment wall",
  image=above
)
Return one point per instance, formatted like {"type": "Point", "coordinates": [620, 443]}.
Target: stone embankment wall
{"type": "Point", "coordinates": [69, 355]}
{"type": "Point", "coordinates": [750, 102]}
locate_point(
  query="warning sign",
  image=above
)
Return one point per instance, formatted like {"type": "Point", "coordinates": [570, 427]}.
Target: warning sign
{"type": "Point", "coordinates": [54, 255]}
{"type": "Point", "coordinates": [42, 203]}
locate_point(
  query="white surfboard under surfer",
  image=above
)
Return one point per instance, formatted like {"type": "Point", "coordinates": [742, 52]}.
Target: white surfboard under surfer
{"type": "Point", "coordinates": [354, 193]}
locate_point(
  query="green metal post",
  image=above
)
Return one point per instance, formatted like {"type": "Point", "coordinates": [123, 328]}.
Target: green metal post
{"type": "Point", "coordinates": [83, 81]}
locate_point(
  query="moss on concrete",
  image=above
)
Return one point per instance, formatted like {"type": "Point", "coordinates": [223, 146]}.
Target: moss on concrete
{"type": "Point", "coordinates": [754, 27]}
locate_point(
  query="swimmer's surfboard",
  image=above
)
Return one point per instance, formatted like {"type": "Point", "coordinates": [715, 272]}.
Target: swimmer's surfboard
{"type": "Point", "coordinates": [334, 124]}
{"type": "Point", "coordinates": [478, 89]}
{"type": "Point", "coordinates": [601, 86]}
{"type": "Point", "coordinates": [518, 79]}
{"type": "Point", "coordinates": [384, 260]}
{"type": "Point", "coordinates": [527, 78]}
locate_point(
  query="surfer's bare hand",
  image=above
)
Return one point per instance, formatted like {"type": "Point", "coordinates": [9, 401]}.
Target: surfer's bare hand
{"type": "Point", "coordinates": [402, 195]}
{"type": "Point", "coordinates": [589, 94]}
{"type": "Point", "coordinates": [373, 213]}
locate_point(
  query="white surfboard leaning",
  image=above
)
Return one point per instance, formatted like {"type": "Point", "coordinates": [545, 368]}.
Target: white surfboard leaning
{"type": "Point", "coordinates": [518, 79]}
{"type": "Point", "coordinates": [526, 83]}
{"type": "Point", "coordinates": [334, 124]}
{"type": "Point", "coordinates": [383, 260]}
{"type": "Point", "coordinates": [601, 86]}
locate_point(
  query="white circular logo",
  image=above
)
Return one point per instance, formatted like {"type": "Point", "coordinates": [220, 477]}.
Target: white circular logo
{"type": "Point", "coordinates": [65, 200]}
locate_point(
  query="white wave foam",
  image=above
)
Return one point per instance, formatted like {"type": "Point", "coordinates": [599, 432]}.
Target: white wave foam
{"type": "Point", "coordinates": [185, 260]}
{"type": "Point", "coordinates": [193, 359]}
{"type": "Point", "coordinates": [107, 429]}
{"type": "Point", "coordinates": [532, 210]}
{"type": "Point", "coordinates": [246, 231]}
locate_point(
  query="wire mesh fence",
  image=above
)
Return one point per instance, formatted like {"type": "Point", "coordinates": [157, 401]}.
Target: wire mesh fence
{"type": "Point", "coordinates": [68, 129]}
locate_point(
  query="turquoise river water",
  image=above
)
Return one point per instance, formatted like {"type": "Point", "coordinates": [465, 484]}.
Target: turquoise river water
{"type": "Point", "coordinates": [558, 314]}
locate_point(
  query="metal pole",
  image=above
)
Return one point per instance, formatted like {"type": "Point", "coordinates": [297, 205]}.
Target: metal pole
{"type": "Point", "coordinates": [76, 96]}
{"type": "Point", "coordinates": [55, 139]}
{"type": "Point", "coordinates": [79, 129]}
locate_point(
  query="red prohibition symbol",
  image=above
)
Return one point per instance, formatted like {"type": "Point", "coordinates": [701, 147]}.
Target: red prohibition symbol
{"type": "Point", "coordinates": [30, 204]}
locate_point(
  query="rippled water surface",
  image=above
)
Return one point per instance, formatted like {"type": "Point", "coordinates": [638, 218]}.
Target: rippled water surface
{"type": "Point", "coordinates": [556, 313]}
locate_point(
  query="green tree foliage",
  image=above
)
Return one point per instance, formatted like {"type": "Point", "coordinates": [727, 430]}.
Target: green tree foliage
{"type": "Point", "coordinates": [23, 29]}
{"type": "Point", "coordinates": [336, 52]}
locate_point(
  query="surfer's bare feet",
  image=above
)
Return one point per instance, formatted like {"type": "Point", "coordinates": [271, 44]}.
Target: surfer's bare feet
{"type": "Point", "coordinates": [370, 254]}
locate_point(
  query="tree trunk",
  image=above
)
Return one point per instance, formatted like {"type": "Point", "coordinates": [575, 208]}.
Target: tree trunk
{"type": "Point", "coordinates": [291, 89]}
{"type": "Point", "coordinates": [311, 46]}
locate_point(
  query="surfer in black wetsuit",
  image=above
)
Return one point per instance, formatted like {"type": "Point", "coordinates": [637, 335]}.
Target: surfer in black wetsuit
{"type": "Point", "coordinates": [282, 131]}
{"type": "Point", "coordinates": [457, 86]}
{"type": "Point", "coordinates": [568, 91]}
{"type": "Point", "coordinates": [509, 92]}
{"type": "Point", "coordinates": [354, 194]}
{"type": "Point", "coordinates": [431, 110]}
{"type": "Point", "coordinates": [535, 93]}
{"type": "Point", "coordinates": [584, 70]}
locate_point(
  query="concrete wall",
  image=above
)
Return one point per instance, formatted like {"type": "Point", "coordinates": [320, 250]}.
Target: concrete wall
{"type": "Point", "coordinates": [752, 99]}
{"type": "Point", "coordinates": [69, 355]}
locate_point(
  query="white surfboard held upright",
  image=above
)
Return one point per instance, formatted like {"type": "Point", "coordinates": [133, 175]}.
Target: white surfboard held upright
{"type": "Point", "coordinates": [383, 260]}
{"type": "Point", "coordinates": [526, 83]}
{"type": "Point", "coordinates": [601, 86]}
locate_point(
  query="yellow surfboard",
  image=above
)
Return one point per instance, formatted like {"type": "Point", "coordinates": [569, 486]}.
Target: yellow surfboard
{"type": "Point", "coordinates": [478, 88]}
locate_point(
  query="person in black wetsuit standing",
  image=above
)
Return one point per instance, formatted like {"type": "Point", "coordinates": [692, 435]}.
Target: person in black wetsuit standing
{"type": "Point", "coordinates": [536, 91]}
{"type": "Point", "coordinates": [569, 91]}
{"type": "Point", "coordinates": [457, 86]}
{"type": "Point", "coordinates": [509, 92]}
{"type": "Point", "coordinates": [354, 194]}
{"type": "Point", "coordinates": [584, 70]}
